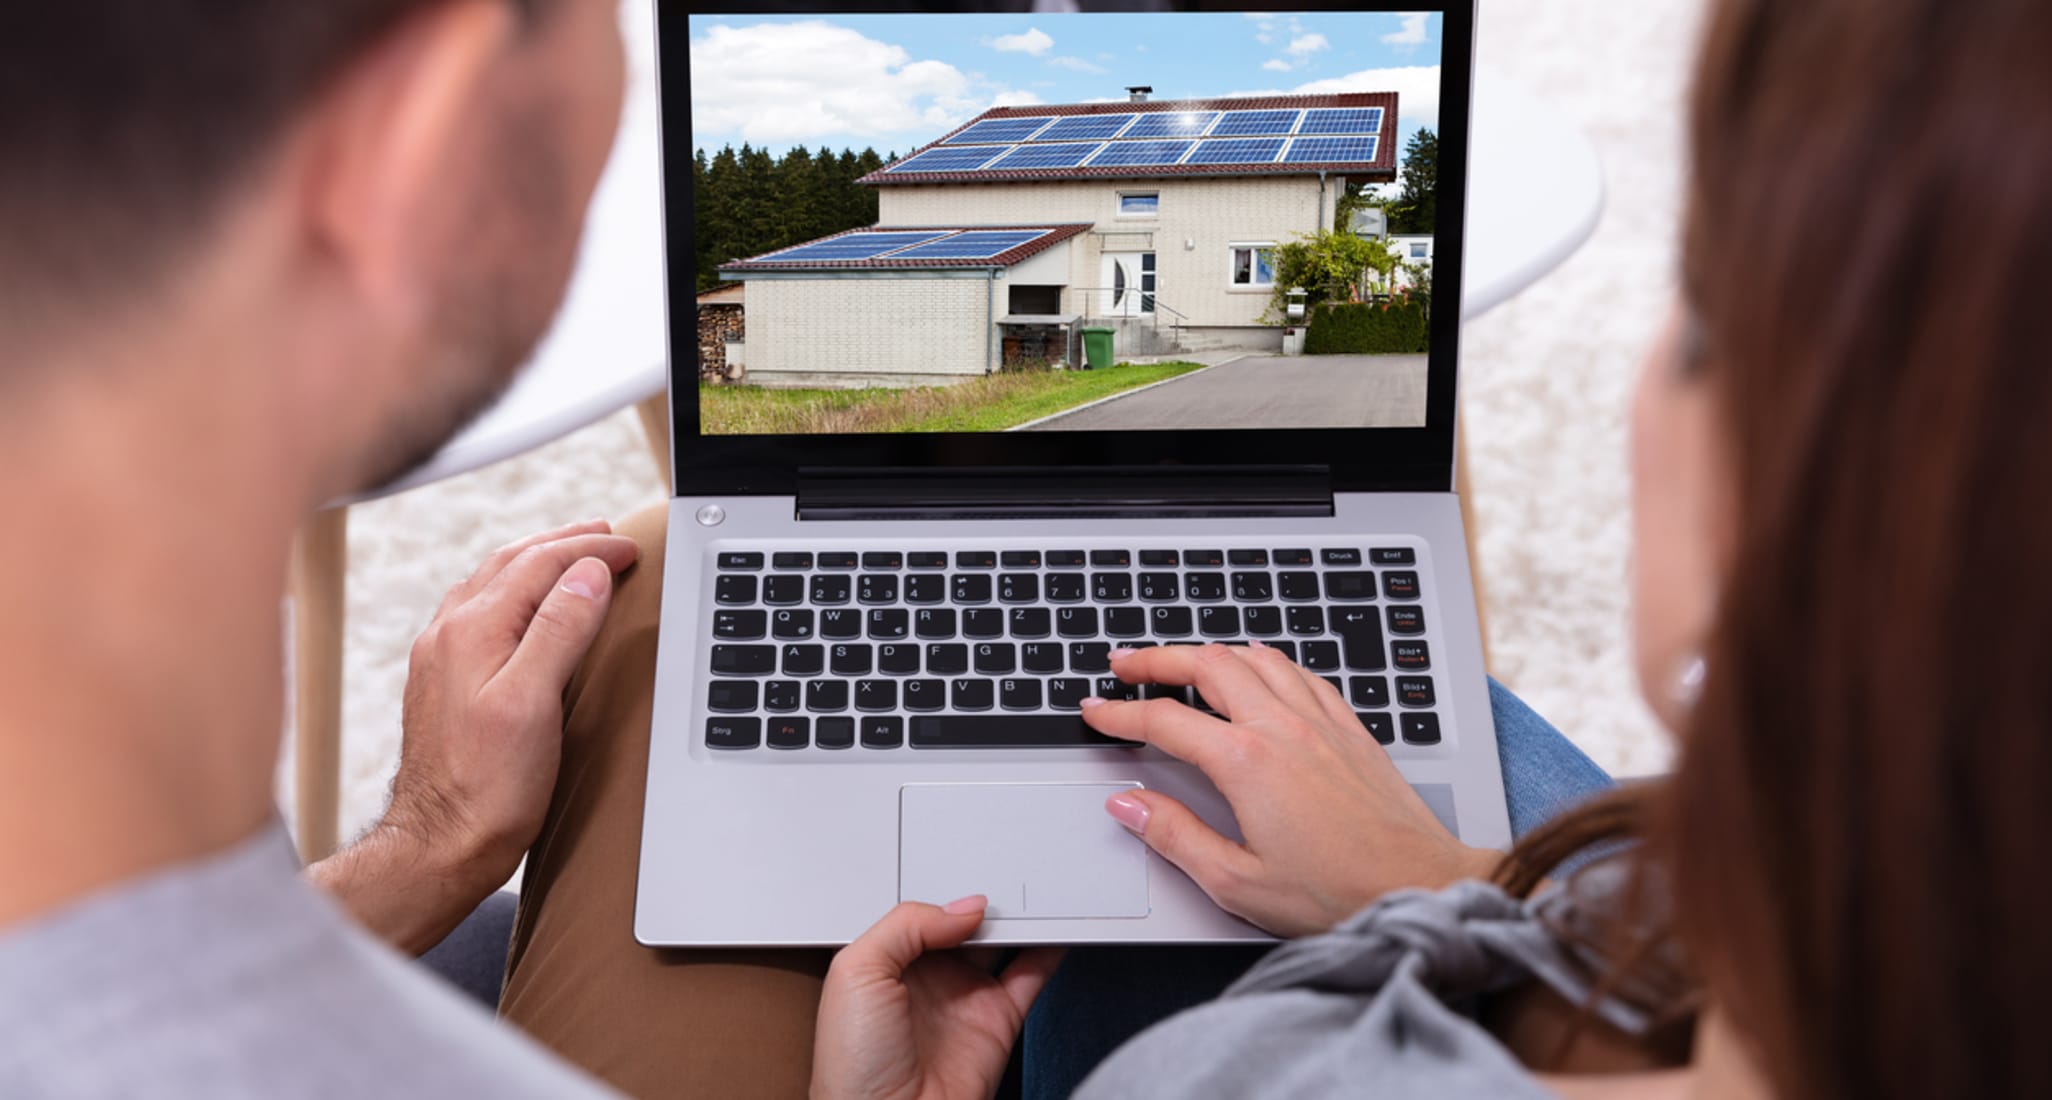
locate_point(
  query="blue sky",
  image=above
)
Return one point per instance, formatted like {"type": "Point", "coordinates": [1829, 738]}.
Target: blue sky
{"type": "Point", "coordinates": [894, 82]}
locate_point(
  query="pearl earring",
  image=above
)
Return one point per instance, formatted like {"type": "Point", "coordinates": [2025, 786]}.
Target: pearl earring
{"type": "Point", "coordinates": [1688, 682]}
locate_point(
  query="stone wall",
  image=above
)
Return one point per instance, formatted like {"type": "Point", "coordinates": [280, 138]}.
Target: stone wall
{"type": "Point", "coordinates": [718, 323]}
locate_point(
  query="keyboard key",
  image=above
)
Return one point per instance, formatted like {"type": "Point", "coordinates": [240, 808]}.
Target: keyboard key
{"type": "Point", "coordinates": [839, 559]}
{"type": "Point", "coordinates": [1076, 622]}
{"type": "Point", "coordinates": [897, 660]}
{"type": "Point", "coordinates": [782, 695]}
{"type": "Point", "coordinates": [889, 624]}
{"type": "Point", "coordinates": [1350, 587]}
{"type": "Point", "coordinates": [1008, 731]}
{"type": "Point", "coordinates": [1066, 559]}
{"type": "Point", "coordinates": [926, 695]}
{"type": "Point", "coordinates": [733, 733]}
{"type": "Point", "coordinates": [1360, 634]}
{"type": "Point", "coordinates": [1421, 729]}
{"type": "Point", "coordinates": [1019, 588]}
{"type": "Point", "coordinates": [976, 559]}
{"type": "Point", "coordinates": [1111, 587]}
{"type": "Point", "coordinates": [876, 695]}
{"type": "Point", "coordinates": [883, 733]}
{"type": "Point", "coordinates": [732, 590]}
{"type": "Point", "coordinates": [970, 588]}
{"type": "Point", "coordinates": [1067, 588]}
{"type": "Point", "coordinates": [1380, 726]}
{"type": "Point", "coordinates": [1111, 559]}
{"type": "Point", "coordinates": [783, 591]}
{"type": "Point", "coordinates": [1165, 691]}
{"type": "Point", "coordinates": [1089, 657]}
{"type": "Point", "coordinates": [1159, 588]}
{"type": "Point", "coordinates": [1415, 691]}
{"type": "Point", "coordinates": [1204, 587]}
{"type": "Point", "coordinates": [1019, 694]}
{"type": "Point", "coordinates": [927, 559]}
{"type": "Point", "coordinates": [1218, 622]}
{"type": "Point", "coordinates": [840, 624]}
{"type": "Point", "coordinates": [826, 696]}
{"type": "Point", "coordinates": [1371, 692]}
{"type": "Point", "coordinates": [995, 658]}
{"type": "Point", "coordinates": [1020, 559]}
{"type": "Point", "coordinates": [792, 559]}
{"type": "Point", "coordinates": [831, 588]}
{"type": "Point", "coordinates": [1407, 620]}
{"type": "Point", "coordinates": [1160, 557]}
{"type": "Point", "coordinates": [882, 559]}
{"type": "Point", "coordinates": [1286, 647]}
{"type": "Point", "coordinates": [1171, 622]}
{"type": "Point", "coordinates": [804, 660]}
{"type": "Point", "coordinates": [1264, 621]}
{"type": "Point", "coordinates": [983, 622]}
{"type": "Point", "coordinates": [935, 622]}
{"type": "Point", "coordinates": [1032, 622]}
{"type": "Point", "coordinates": [1321, 656]}
{"type": "Point", "coordinates": [791, 625]}
{"type": "Point", "coordinates": [834, 733]}
{"type": "Point", "coordinates": [743, 626]}
{"type": "Point", "coordinates": [1401, 555]}
{"type": "Point", "coordinates": [875, 588]}
{"type": "Point", "coordinates": [1341, 557]}
{"type": "Point", "coordinates": [1042, 657]}
{"type": "Point", "coordinates": [744, 660]}
{"type": "Point", "coordinates": [851, 660]}
{"type": "Point", "coordinates": [1253, 587]}
{"type": "Point", "coordinates": [1306, 621]}
{"type": "Point", "coordinates": [1067, 693]}
{"type": "Point", "coordinates": [1111, 687]}
{"type": "Point", "coordinates": [973, 695]}
{"type": "Point", "coordinates": [1400, 585]}
{"type": "Point", "coordinates": [1299, 587]}
{"type": "Point", "coordinates": [750, 561]}
{"type": "Point", "coordinates": [1294, 557]}
{"type": "Point", "coordinates": [1410, 656]}
{"type": "Point", "coordinates": [731, 696]}
{"type": "Point", "coordinates": [1336, 683]}
{"type": "Point", "coordinates": [928, 588]}
{"type": "Point", "coordinates": [947, 659]}
{"type": "Point", "coordinates": [1125, 622]}
{"type": "Point", "coordinates": [1202, 559]}
{"type": "Point", "coordinates": [1247, 557]}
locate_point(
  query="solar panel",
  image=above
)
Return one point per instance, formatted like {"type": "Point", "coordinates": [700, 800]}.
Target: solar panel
{"type": "Point", "coordinates": [1352, 120]}
{"type": "Point", "coordinates": [1237, 151]}
{"type": "Point", "coordinates": [1255, 123]}
{"type": "Point", "coordinates": [999, 129]}
{"type": "Point", "coordinates": [972, 245]}
{"type": "Point", "coordinates": [1045, 156]}
{"type": "Point", "coordinates": [1133, 153]}
{"type": "Point", "coordinates": [950, 159]}
{"type": "Point", "coordinates": [853, 246]}
{"type": "Point", "coordinates": [1079, 127]}
{"type": "Point", "coordinates": [1171, 124]}
{"type": "Point", "coordinates": [1350, 150]}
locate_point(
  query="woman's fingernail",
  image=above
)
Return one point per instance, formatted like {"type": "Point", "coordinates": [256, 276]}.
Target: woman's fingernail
{"type": "Point", "coordinates": [1127, 811]}
{"type": "Point", "coordinates": [1122, 651]}
{"type": "Point", "coordinates": [1257, 643]}
{"type": "Point", "coordinates": [974, 903]}
{"type": "Point", "coordinates": [1089, 702]}
{"type": "Point", "coordinates": [586, 579]}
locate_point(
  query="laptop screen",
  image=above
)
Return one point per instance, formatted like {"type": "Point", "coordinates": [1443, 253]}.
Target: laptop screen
{"type": "Point", "coordinates": [1119, 222]}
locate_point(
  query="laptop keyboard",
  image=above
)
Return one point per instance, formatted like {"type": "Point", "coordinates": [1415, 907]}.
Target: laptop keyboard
{"type": "Point", "coordinates": [995, 648]}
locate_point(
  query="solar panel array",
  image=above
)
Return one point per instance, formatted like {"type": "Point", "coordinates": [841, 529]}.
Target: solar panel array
{"type": "Point", "coordinates": [851, 246]}
{"type": "Point", "coordinates": [1158, 139]}
{"type": "Point", "coordinates": [927, 244]}
{"type": "Point", "coordinates": [971, 245]}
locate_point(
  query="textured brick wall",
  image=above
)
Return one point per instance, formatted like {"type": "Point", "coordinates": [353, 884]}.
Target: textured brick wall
{"type": "Point", "coordinates": [718, 324]}
{"type": "Point", "coordinates": [880, 325]}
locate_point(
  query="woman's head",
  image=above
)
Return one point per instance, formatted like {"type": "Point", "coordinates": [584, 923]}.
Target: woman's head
{"type": "Point", "coordinates": [1845, 474]}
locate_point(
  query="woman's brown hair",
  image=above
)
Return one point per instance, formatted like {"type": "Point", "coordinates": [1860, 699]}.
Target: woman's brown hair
{"type": "Point", "coordinates": [1854, 841]}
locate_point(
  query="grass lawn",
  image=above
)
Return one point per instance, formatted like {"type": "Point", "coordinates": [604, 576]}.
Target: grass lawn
{"type": "Point", "coordinates": [987, 404]}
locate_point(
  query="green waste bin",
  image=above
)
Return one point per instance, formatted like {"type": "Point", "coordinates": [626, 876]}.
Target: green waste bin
{"type": "Point", "coordinates": [1097, 346]}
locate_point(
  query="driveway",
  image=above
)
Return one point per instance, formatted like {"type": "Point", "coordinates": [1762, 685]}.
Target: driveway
{"type": "Point", "coordinates": [1268, 391]}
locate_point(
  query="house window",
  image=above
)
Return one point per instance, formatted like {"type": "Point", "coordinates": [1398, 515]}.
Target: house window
{"type": "Point", "coordinates": [1420, 250]}
{"type": "Point", "coordinates": [1140, 204]}
{"type": "Point", "coordinates": [1254, 265]}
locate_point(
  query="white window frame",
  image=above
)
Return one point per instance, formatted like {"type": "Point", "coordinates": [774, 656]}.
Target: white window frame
{"type": "Point", "coordinates": [1233, 283]}
{"type": "Point", "coordinates": [1154, 213]}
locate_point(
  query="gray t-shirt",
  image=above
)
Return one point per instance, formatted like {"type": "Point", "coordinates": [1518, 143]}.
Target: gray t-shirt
{"type": "Point", "coordinates": [233, 977]}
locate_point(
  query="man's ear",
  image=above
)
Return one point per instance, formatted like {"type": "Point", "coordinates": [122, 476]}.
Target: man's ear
{"type": "Point", "coordinates": [387, 145]}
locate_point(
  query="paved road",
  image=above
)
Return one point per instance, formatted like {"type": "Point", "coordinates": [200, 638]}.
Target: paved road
{"type": "Point", "coordinates": [1308, 391]}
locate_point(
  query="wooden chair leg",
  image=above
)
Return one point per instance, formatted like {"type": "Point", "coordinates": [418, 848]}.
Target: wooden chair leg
{"type": "Point", "coordinates": [655, 423]}
{"type": "Point", "coordinates": [320, 566]}
{"type": "Point", "coordinates": [1465, 490]}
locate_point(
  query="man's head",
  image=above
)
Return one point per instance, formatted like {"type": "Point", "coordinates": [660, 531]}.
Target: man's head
{"type": "Point", "coordinates": [380, 197]}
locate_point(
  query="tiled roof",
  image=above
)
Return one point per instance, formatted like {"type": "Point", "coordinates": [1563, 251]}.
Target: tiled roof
{"type": "Point", "coordinates": [1051, 235]}
{"type": "Point", "coordinates": [1381, 169]}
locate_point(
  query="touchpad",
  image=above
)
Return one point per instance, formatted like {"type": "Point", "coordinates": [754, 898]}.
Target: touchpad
{"type": "Point", "coordinates": [1038, 851]}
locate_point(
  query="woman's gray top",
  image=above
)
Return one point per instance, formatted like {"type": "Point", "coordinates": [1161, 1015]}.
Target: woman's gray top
{"type": "Point", "coordinates": [1377, 1007]}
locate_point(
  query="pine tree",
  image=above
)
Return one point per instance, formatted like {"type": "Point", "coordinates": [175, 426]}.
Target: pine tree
{"type": "Point", "coordinates": [1416, 209]}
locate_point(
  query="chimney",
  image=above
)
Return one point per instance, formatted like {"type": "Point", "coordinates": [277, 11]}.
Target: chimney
{"type": "Point", "coordinates": [1139, 92]}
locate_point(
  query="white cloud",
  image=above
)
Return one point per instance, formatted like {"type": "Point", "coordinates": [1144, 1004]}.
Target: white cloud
{"type": "Point", "coordinates": [1304, 45]}
{"type": "Point", "coordinates": [1417, 89]}
{"type": "Point", "coordinates": [1411, 31]}
{"type": "Point", "coordinates": [1075, 65]}
{"type": "Point", "coordinates": [1016, 99]}
{"type": "Point", "coordinates": [1030, 41]}
{"type": "Point", "coordinates": [1277, 65]}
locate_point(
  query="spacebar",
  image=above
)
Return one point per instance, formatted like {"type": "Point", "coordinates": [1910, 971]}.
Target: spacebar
{"type": "Point", "coordinates": [1006, 731]}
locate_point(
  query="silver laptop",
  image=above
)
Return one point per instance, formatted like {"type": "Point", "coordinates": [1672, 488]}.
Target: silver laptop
{"type": "Point", "coordinates": [986, 360]}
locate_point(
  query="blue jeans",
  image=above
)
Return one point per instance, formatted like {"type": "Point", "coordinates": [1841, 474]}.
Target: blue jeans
{"type": "Point", "coordinates": [1103, 996]}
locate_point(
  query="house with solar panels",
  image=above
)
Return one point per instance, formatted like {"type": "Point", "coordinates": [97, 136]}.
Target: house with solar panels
{"type": "Point", "coordinates": [997, 242]}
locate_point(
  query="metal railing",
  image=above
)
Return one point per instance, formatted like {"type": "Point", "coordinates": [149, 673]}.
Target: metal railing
{"type": "Point", "coordinates": [1090, 296]}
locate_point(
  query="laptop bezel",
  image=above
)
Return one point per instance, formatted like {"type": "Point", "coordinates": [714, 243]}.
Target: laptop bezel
{"type": "Point", "coordinates": [1351, 459]}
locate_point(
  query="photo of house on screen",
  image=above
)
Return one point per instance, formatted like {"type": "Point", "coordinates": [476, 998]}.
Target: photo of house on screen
{"type": "Point", "coordinates": [1004, 239]}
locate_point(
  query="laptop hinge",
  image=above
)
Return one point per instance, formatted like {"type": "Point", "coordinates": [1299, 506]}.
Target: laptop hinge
{"type": "Point", "coordinates": [1150, 493]}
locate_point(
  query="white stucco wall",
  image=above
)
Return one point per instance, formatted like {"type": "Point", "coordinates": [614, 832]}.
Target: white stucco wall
{"type": "Point", "coordinates": [873, 329]}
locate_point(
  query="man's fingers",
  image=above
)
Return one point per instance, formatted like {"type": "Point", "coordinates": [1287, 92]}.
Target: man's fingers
{"type": "Point", "coordinates": [1217, 865]}
{"type": "Point", "coordinates": [907, 932]}
{"type": "Point", "coordinates": [1028, 975]}
{"type": "Point", "coordinates": [498, 559]}
{"type": "Point", "coordinates": [563, 627]}
{"type": "Point", "coordinates": [510, 600]}
{"type": "Point", "coordinates": [1227, 682]}
{"type": "Point", "coordinates": [1188, 735]}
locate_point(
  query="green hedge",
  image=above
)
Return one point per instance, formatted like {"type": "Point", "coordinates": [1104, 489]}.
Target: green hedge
{"type": "Point", "coordinates": [1397, 328]}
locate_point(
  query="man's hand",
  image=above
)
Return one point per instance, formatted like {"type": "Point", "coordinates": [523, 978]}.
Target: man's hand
{"type": "Point", "coordinates": [483, 730]}
{"type": "Point", "coordinates": [903, 1018]}
{"type": "Point", "coordinates": [1330, 824]}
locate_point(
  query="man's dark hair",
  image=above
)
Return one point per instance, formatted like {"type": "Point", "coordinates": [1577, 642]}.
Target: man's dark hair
{"type": "Point", "coordinates": [125, 123]}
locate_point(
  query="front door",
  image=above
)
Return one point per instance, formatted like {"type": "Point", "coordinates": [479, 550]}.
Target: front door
{"type": "Point", "coordinates": [1129, 284]}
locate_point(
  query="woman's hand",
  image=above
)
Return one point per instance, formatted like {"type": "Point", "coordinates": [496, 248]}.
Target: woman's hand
{"type": "Point", "coordinates": [1330, 824]}
{"type": "Point", "coordinates": [898, 1022]}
